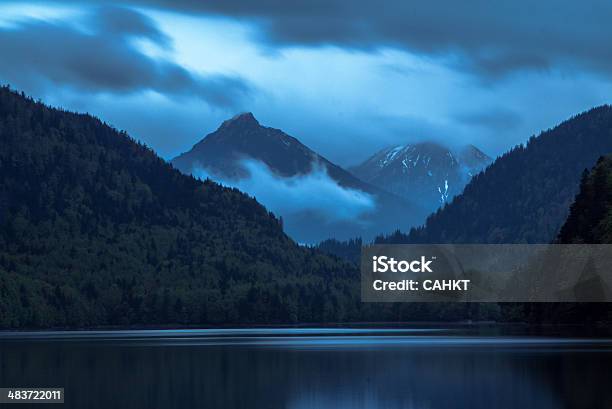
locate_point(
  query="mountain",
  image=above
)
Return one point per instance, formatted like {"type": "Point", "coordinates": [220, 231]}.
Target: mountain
{"type": "Point", "coordinates": [95, 229]}
{"type": "Point", "coordinates": [525, 195]}
{"type": "Point", "coordinates": [589, 222]}
{"type": "Point", "coordinates": [241, 137]}
{"type": "Point", "coordinates": [224, 156]}
{"type": "Point", "coordinates": [428, 171]}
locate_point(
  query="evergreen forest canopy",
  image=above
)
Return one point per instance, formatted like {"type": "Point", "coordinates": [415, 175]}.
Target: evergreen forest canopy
{"type": "Point", "coordinates": [96, 230]}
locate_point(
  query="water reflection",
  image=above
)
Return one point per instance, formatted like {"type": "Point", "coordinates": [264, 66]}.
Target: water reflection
{"type": "Point", "coordinates": [311, 368]}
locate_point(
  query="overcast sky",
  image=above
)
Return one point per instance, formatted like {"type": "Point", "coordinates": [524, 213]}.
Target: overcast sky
{"type": "Point", "coordinates": [344, 77]}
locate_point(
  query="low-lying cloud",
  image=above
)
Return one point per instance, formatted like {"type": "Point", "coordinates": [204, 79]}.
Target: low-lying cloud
{"type": "Point", "coordinates": [314, 192]}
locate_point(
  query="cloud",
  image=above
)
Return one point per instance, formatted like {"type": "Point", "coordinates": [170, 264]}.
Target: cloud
{"type": "Point", "coordinates": [104, 57]}
{"type": "Point", "coordinates": [347, 78]}
{"type": "Point", "coordinates": [123, 21]}
{"type": "Point", "coordinates": [491, 119]}
{"type": "Point", "coordinates": [314, 192]}
{"type": "Point", "coordinates": [493, 38]}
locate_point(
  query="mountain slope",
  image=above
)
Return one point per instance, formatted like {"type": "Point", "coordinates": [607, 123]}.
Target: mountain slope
{"type": "Point", "coordinates": [525, 195]}
{"type": "Point", "coordinates": [243, 137]}
{"type": "Point", "coordinates": [428, 171]}
{"type": "Point", "coordinates": [222, 155]}
{"type": "Point", "coordinates": [589, 222]}
{"type": "Point", "coordinates": [95, 229]}
{"type": "Point", "coordinates": [590, 217]}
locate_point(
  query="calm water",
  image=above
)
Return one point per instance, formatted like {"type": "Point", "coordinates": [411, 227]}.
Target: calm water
{"type": "Point", "coordinates": [313, 368]}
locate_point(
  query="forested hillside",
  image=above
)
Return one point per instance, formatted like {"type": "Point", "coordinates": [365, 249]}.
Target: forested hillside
{"type": "Point", "coordinates": [589, 222]}
{"type": "Point", "coordinates": [525, 195]}
{"type": "Point", "coordinates": [590, 218]}
{"type": "Point", "coordinates": [349, 250]}
{"type": "Point", "coordinates": [96, 229]}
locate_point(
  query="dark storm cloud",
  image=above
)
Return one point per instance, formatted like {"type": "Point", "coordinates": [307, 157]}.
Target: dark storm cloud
{"type": "Point", "coordinates": [103, 58]}
{"type": "Point", "coordinates": [128, 22]}
{"type": "Point", "coordinates": [493, 38]}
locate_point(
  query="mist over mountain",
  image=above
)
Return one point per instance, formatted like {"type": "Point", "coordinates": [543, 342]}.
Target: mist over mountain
{"type": "Point", "coordinates": [525, 195]}
{"type": "Point", "coordinates": [316, 198]}
{"type": "Point", "coordinates": [96, 229]}
{"type": "Point", "coordinates": [426, 172]}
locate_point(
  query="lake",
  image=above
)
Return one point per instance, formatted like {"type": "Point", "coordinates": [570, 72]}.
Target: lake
{"type": "Point", "coordinates": [426, 367]}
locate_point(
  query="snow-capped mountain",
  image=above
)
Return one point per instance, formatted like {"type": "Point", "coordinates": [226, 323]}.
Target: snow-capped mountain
{"type": "Point", "coordinates": [291, 170]}
{"type": "Point", "coordinates": [222, 154]}
{"type": "Point", "coordinates": [426, 173]}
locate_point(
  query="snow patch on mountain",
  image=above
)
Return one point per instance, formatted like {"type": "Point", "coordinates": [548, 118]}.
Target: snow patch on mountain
{"type": "Point", "coordinates": [428, 171]}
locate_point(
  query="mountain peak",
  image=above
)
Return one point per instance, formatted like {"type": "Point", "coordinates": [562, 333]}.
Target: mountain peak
{"type": "Point", "coordinates": [242, 119]}
{"type": "Point", "coordinates": [427, 169]}
{"type": "Point", "coordinates": [473, 157]}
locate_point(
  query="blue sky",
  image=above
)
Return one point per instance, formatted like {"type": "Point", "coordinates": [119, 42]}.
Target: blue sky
{"type": "Point", "coordinates": [344, 77]}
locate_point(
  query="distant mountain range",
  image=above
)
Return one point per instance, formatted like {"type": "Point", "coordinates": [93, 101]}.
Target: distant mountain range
{"type": "Point", "coordinates": [96, 229]}
{"type": "Point", "coordinates": [224, 156]}
{"type": "Point", "coordinates": [525, 195]}
{"type": "Point", "coordinates": [426, 172]}
{"type": "Point", "coordinates": [222, 152]}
